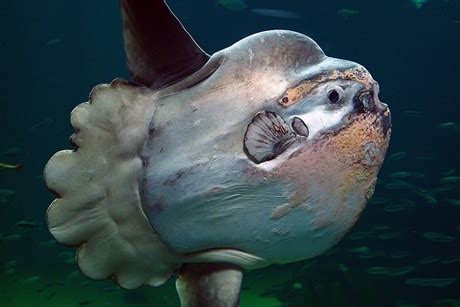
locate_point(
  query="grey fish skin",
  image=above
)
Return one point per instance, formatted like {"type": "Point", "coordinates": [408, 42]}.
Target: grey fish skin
{"type": "Point", "coordinates": [215, 173]}
{"type": "Point", "coordinates": [161, 160]}
{"type": "Point", "coordinates": [306, 97]}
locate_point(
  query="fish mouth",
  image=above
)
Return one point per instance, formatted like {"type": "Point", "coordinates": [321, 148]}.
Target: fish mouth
{"type": "Point", "coordinates": [385, 120]}
{"type": "Point", "coordinates": [367, 101]}
{"type": "Point", "coordinates": [383, 117]}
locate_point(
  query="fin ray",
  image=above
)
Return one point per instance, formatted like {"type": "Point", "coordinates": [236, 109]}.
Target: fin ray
{"type": "Point", "coordinates": [267, 136]}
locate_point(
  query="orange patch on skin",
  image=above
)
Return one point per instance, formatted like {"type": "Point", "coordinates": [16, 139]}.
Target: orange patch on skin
{"type": "Point", "coordinates": [349, 147]}
{"type": "Point", "coordinates": [293, 95]}
{"type": "Point", "coordinates": [336, 163]}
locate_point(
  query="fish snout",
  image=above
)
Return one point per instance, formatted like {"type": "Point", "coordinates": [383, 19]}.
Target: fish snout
{"type": "Point", "coordinates": [382, 110]}
{"type": "Point", "coordinates": [385, 118]}
{"type": "Point", "coordinates": [367, 101]}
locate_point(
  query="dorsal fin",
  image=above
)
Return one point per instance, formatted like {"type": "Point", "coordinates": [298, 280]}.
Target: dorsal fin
{"type": "Point", "coordinates": [159, 51]}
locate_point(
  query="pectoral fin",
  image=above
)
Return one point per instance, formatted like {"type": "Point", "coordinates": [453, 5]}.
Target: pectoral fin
{"type": "Point", "coordinates": [267, 136]}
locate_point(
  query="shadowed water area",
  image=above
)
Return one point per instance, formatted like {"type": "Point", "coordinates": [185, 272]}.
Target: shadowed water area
{"type": "Point", "coordinates": [403, 251]}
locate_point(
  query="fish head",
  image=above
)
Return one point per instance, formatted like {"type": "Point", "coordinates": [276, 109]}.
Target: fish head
{"type": "Point", "coordinates": [175, 170]}
{"type": "Point", "coordinates": [342, 134]}
{"type": "Point", "coordinates": [330, 105]}
{"type": "Point", "coordinates": [277, 140]}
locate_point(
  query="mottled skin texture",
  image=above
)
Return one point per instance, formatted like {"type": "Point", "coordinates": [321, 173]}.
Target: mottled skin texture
{"type": "Point", "coordinates": [337, 163]}
{"type": "Point", "coordinates": [160, 178]}
{"type": "Point", "coordinates": [296, 93]}
{"type": "Point", "coordinates": [200, 190]}
{"type": "Point", "coordinates": [164, 176]}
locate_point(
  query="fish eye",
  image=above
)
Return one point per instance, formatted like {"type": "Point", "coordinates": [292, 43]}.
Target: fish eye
{"type": "Point", "coordinates": [335, 96]}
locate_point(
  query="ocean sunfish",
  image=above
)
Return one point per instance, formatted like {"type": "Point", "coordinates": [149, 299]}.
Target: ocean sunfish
{"type": "Point", "coordinates": [265, 152]}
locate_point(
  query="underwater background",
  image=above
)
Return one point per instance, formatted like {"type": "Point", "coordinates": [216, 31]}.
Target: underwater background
{"type": "Point", "coordinates": [403, 251]}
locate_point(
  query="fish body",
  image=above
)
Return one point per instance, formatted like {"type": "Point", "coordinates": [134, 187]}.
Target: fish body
{"type": "Point", "coordinates": [265, 152]}
{"type": "Point", "coordinates": [28, 224]}
{"type": "Point", "coordinates": [397, 155]}
{"type": "Point", "coordinates": [347, 12]}
{"type": "Point", "coordinates": [8, 166]}
{"type": "Point", "coordinates": [412, 113]}
{"type": "Point", "coordinates": [239, 190]}
{"type": "Point", "coordinates": [401, 174]}
{"type": "Point", "coordinates": [450, 180]}
{"type": "Point", "coordinates": [275, 13]}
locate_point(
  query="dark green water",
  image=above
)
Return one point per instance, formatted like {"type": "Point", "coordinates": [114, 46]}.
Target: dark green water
{"type": "Point", "coordinates": [404, 250]}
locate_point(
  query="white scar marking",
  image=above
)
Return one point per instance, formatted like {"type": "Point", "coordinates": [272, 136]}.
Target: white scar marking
{"type": "Point", "coordinates": [317, 120]}
{"type": "Point", "coordinates": [320, 119]}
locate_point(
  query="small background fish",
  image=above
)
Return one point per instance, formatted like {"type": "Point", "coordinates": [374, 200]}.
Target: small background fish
{"type": "Point", "coordinates": [403, 251]}
{"type": "Point", "coordinates": [9, 166]}
{"type": "Point", "coordinates": [275, 13]}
